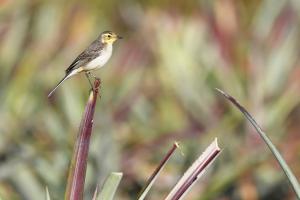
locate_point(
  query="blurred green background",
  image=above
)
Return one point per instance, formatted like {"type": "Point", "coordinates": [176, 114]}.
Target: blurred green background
{"type": "Point", "coordinates": [157, 88]}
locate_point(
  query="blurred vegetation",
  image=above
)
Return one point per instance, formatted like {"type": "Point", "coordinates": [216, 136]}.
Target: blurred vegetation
{"type": "Point", "coordinates": [158, 87]}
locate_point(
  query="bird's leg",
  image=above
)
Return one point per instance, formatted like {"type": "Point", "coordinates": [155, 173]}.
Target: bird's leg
{"type": "Point", "coordinates": [95, 77]}
{"type": "Point", "coordinates": [99, 79]}
{"type": "Point", "coordinates": [88, 74]}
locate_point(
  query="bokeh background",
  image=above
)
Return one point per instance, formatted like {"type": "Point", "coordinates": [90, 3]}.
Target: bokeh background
{"type": "Point", "coordinates": [157, 88]}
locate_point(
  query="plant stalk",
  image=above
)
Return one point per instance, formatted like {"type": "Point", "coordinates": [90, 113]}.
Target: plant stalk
{"type": "Point", "coordinates": [77, 170]}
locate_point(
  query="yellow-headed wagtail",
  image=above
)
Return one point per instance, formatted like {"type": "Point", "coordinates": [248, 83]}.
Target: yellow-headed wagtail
{"type": "Point", "coordinates": [93, 57]}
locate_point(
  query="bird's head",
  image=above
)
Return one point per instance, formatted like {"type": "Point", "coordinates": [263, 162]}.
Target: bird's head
{"type": "Point", "coordinates": [109, 37]}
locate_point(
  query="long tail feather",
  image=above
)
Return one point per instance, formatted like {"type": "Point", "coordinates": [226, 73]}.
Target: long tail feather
{"type": "Point", "coordinates": [60, 82]}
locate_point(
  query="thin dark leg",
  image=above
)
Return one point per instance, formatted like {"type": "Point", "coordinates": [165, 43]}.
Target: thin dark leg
{"type": "Point", "coordinates": [88, 74]}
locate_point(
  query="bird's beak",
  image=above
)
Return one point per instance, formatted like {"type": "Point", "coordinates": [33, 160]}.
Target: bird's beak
{"type": "Point", "coordinates": [119, 37]}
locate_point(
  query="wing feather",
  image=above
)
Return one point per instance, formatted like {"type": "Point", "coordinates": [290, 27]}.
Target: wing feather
{"type": "Point", "coordinates": [92, 52]}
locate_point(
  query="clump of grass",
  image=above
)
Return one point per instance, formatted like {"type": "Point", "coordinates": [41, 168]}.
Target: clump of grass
{"type": "Point", "coordinates": [77, 170]}
{"type": "Point", "coordinates": [76, 178]}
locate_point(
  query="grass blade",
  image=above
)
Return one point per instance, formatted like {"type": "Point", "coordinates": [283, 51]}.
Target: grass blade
{"type": "Point", "coordinates": [266, 139]}
{"type": "Point", "coordinates": [110, 186]}
{"type": "Point", "coordinates": [95, 193]}
{"type": "Point", "coordinates": [194, 172]}
{"type": "Point", "coordinates": [47, 194]}
{"type": "Point", "coordinates": [76, 178]}
{"type": "Point", "coordinates": [157, 171]}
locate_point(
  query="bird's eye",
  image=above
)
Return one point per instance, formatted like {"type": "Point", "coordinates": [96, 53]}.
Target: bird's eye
{"type": "Point", "coordinates": [109, 36]}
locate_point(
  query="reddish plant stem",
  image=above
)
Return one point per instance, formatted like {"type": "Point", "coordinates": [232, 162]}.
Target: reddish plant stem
{"type": "Point", "coordinates": [159, 167]}
{"type": "Point", "coordinates": [76, 178]}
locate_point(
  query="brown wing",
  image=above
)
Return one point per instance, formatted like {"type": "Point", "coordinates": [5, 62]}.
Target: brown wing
{"type": "Point", "coordinates": [86, 56]}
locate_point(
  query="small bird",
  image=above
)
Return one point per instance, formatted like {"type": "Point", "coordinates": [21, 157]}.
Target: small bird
{"type": "Point", "coordinates": [93, 57]}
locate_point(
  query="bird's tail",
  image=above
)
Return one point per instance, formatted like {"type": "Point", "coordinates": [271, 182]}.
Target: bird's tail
{"type": "Point", "coordinates": [60, 82]}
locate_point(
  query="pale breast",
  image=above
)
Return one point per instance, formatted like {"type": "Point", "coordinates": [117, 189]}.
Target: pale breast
{"type": "Point", "coordinates": [101, 60]}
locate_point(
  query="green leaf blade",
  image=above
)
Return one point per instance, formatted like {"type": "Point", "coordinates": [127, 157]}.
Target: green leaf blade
{"type": "Point", "coordinates": [110, 186]}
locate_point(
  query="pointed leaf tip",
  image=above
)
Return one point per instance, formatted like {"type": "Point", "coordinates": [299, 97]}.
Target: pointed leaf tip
{"type": "Point", "coordinates": [110, 186]}
{"type": "Point", "coordinates": [96, 193]}
{"type": "Point", "coordinates": [47, 194]}
{"type": "Point", "coordinates": [177, 144]}
{"type": "Point", "coordinates": [216, 144]}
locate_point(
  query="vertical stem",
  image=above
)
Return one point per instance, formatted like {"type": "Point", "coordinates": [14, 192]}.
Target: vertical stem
{"type": "Point", "coordinates": [77, 170]}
